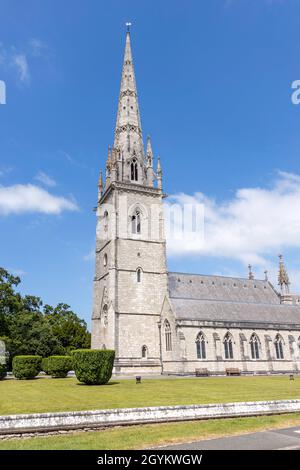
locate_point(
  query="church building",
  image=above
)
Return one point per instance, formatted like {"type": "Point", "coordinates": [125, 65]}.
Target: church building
{"type": "Point", "coordinates": [161, 322]}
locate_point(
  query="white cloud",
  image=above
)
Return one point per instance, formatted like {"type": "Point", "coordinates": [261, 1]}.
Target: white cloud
{"type": "Point", "coordinates": [21, 198]}
{"type": "Point", "coordinates": [19, 61]}
{"type": "Point", "coordinates": [45, 179]}
{"type": "Point", "coordinates": [255, 223]}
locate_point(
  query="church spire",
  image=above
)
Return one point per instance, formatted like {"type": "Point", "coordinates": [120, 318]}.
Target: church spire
{"type": "Point", "coordinates": [128, 132]}
{"type": "Point", "coordinates": [127, 161]}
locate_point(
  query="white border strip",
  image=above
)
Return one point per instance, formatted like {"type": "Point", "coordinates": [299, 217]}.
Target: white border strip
{"type": "Point", "coordinates": [42, 422]}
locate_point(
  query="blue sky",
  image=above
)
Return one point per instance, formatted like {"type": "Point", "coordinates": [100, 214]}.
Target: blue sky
{"type": "Point", "coordinates": [214, 80]}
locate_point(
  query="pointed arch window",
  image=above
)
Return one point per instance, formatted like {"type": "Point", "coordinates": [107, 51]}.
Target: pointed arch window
{"type": "Point", "coordinates": [134, 170]}
{"type": "Point", "coordinates": [168, 336]}
{"type": "Point", "coordinates": [139, 275]}
{"type": "Point", "coordinates": [200, 346]}
{"type": "Point", "coordinates": [144, 352]}
{"type": "Point", "coordinates": [279, 347]}
{"type": "Point", "coordinates": [228, 348]}
{"type": "Point", "coordinates": [136, 222]}
{"type": "Point", "coordinates": [254, 346]}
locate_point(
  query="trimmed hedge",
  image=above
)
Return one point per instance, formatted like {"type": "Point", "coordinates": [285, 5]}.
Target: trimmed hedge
{"type": "Point", "coordinates": [44, 365]}
{"type": "Point", "coordinates": [59, 366]}
{"type": "Point", "coordinates": [93, 366]}
{"type": "Point", "coordinates": [26, 367]}
{"type": "Point", "coordinates": [3, 371]}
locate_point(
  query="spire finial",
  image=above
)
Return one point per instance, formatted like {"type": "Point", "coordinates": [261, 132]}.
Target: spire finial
{"type": "Point", "coordinates": [251, 275]}
{"type": "Point", "coordinates": [266, 275]}
{"type": "Point", "coordinates": [283, 278]}
{"type": "Point", "coordinates": [128, 24]}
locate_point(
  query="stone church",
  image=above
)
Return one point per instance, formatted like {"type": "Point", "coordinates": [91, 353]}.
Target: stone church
{"type": "Point", "coordinates": [165, 322]}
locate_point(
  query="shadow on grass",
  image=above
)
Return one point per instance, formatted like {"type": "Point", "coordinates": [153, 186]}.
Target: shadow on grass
{"type": "Point", "coordinates": [98, 385]}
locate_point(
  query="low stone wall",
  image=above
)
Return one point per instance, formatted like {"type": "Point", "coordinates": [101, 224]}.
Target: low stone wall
{"type": "Point", "coordinates": [45, 422]}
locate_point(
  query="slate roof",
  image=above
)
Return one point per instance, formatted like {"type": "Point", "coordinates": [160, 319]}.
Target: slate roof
{"type": "Point", "coordinates": [218, 298]}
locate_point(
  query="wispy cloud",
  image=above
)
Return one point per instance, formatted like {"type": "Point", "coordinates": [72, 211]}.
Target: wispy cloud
{"type": "Point", "coordinates": [72, 160]}
{"type": "Point", "coordinates": [45, 179]}
{"type": "Point", "coordinates": [38, 48]}
{"type": "Point", "coordinates": [22, 198]}
{"type": "Point", "coordinates": [16, 60]}
{"type": "Point", "coordinates": [19, 61]}
{"type": "Point", "coordinates": [255, 223]}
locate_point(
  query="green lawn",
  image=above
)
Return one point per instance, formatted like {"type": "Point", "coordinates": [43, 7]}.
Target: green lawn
{"type": "Point", "coordinates": [45, 395]}
{"type": "Point", "coordinates": [139, 437]}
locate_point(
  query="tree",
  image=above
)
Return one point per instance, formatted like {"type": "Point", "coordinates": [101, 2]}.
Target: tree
{"type": "Point", "coordinates": [27, 327]}
{"type": "Point", "coordinates": [70, 330]}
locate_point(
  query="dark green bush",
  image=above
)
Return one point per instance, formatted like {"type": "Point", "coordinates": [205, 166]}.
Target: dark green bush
{"type": "Point", "coordinates": [44, 365]}
{"type": "Point", "coordinates": [93, 366]}
{"type": "Point", "coordinates": [3, 371]}
{"type": "Point", "coordinates": [26, 367]}
{"type": "Point", "coordinates": [59, 366]}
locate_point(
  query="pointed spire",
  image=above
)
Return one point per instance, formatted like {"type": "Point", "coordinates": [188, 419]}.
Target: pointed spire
{"type": "Point", "coordinates": [159, 174]}
{"type": "Point", "coordinates": [108, 168]}
{"type": "Point", "coordinates": [128, 132]}
{"type": "Point", "coordinates": [149, 152]}
{"type": "Point", "coordinates": [283, 278]}
{"type": "Point", "coordinates": [251, 275]}
{"type": "Point", "coordinates": [100, 184]}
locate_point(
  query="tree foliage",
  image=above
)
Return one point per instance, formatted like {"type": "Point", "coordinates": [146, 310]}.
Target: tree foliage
{"type": "Point", "coordinates": [29, 327]}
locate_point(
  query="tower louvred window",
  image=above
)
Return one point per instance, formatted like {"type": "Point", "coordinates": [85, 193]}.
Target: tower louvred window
{"type": "Point", "coordinates": [136, 222]}
{"type": "Point", "coordinates": [134, 170]}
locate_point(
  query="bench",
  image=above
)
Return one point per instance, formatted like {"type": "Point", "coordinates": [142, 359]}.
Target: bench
{"type": "Point", "coordinates": [202, 372]}
{"type": "Point", "coordinates": [233, 371]}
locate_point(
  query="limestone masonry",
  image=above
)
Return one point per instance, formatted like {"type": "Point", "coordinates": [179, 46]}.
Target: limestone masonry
{"type": "Point", "coordinates": [174, 323]}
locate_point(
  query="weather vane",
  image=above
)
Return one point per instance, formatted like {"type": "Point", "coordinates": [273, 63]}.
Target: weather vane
{"type": "Point", "coordinates": [128, 24]}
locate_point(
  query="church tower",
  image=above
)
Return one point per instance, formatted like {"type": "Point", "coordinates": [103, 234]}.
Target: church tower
{"type": "Point", "coordinates": [130, 280]}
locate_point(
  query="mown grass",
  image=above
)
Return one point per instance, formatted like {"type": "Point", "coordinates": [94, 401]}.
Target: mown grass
{"type": "Point", "coordinates": [155, 435]}
{"type": "Point", "coordinates": [46, 394]}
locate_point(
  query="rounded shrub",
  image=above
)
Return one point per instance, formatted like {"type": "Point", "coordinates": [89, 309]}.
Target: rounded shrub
{"type": "Point", "coordinates": [26, 367]}
{"type": "Point", "coordinates": [59, 366]}
{"type": "Point", "coordinates": [93, 366]}
{"type": "Point", "coordinates": [3, 371]}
